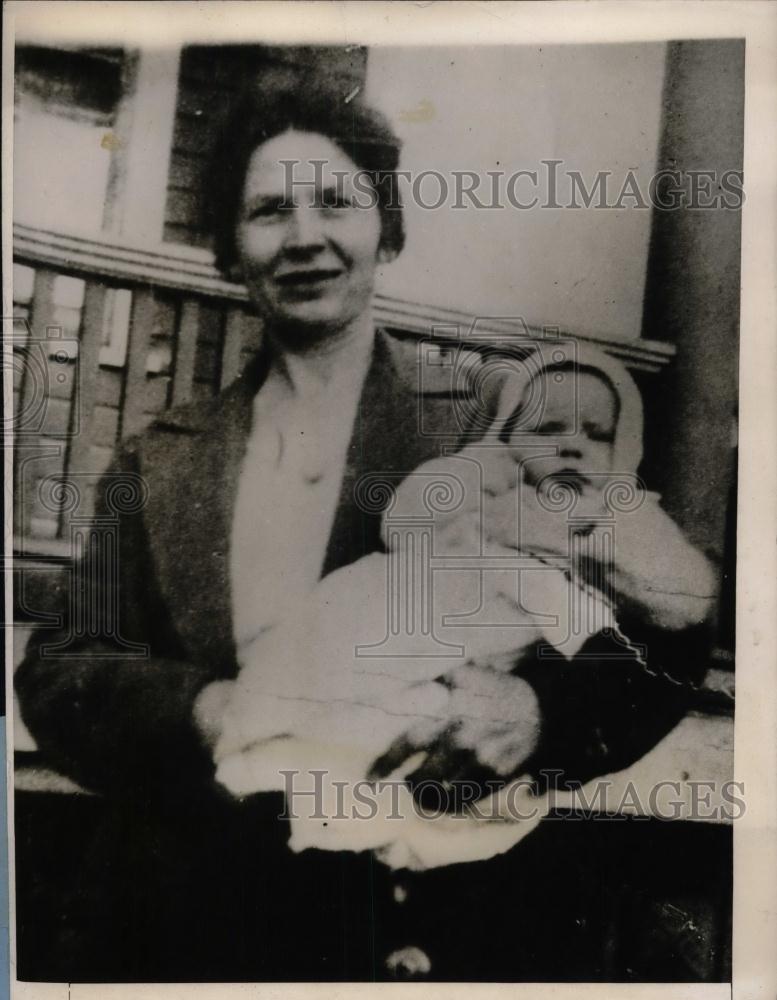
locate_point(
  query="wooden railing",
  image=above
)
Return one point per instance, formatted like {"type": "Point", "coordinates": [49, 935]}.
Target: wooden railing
{"type": "Point", "coordinates": [108, 335]}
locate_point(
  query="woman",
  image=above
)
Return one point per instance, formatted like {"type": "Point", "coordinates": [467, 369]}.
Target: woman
{"type": "Point", "coordinates": [247, 501]}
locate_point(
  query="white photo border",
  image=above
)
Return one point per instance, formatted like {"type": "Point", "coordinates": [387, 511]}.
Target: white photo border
{"type": "Point", "coordinates": [544, 22]}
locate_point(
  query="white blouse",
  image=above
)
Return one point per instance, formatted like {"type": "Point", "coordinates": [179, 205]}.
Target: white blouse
{"type": "Point", "coordinates": [290, 482]}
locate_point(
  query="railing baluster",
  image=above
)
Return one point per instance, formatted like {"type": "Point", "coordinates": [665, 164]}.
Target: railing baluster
{"type": "Point", "coordinates": [85, 389]}
{"type": "Point", "coordinates": [141, 325]}
{"type": "Point", "coordinates": [32, 398]}
{"type": "Point", "coordinates": [40, 319]}
{"type": "Point", "coordinates": [233, 345]}
{"type": "Point", "coordinates": [185, 352]}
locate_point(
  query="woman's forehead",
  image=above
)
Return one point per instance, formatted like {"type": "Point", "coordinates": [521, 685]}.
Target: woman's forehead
{"type": "Point", "coordinates": [301, 158]}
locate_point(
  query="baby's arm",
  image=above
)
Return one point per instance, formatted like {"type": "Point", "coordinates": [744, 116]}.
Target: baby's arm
{"type": "Point", "coordinates": [656, 574]}
{"type": "Point", "coordinates": [451, 490]}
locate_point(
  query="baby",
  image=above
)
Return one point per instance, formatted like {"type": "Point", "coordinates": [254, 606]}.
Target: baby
{"type": "Point", "coordinates": [555, 481]}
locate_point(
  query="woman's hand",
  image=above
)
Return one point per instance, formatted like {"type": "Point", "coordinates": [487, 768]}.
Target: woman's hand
{"type": "Point", "coordinates": [492, 725]}
{"type": "Point", "coordinates": [323, 678]}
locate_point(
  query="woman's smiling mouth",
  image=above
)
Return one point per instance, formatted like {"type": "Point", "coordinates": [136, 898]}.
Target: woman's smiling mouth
{"type": "Point", "coordinates": [308, 277]}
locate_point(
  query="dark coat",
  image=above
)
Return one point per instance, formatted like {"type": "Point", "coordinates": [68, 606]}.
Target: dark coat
{"type": "Point", "coordinates": [207, 884]}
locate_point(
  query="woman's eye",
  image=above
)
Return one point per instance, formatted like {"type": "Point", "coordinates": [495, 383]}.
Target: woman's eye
{"type": "Point", "coordinates": [334, 205]}
{"type": "Point", "coordinates": [268, 211]}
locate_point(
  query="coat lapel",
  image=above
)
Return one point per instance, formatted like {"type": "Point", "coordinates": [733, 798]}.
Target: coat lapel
{"type": "Point", "coordinates": [192, 464]}
{"type": "Point", "coordinates": [395, 430]}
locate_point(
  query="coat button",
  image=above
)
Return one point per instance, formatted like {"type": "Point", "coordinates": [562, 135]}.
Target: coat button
{"type": "Point", "coordinates": [400, 894]}
{"type": "Point", "coordinates": [408, 963]}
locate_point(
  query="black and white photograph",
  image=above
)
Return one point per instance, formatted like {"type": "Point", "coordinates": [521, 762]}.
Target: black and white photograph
{"type": "Point", "coordinates": [375, 438]}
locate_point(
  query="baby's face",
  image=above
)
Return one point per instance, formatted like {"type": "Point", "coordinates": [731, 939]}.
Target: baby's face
{"type": "Point", "coordinates": [577, 415]}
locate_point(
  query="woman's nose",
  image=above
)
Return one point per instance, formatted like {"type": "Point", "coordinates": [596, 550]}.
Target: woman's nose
{"type": "Point", "coordinates": [304, 231]}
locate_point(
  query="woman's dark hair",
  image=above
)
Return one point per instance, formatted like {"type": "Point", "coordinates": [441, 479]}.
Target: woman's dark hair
{"type": "Point", "coordinates": [564, 366]}
{"type": "Point", "coordinates": [360, 131]}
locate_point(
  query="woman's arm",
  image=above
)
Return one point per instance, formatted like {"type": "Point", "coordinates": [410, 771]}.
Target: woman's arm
{"type": "Point", "coordinates": [109, 695]}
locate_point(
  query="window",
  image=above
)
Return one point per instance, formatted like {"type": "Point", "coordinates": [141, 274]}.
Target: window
{"type": "Point", "coordinates": [66, 103]}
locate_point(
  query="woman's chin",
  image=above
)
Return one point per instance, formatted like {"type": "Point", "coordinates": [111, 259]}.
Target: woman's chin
{"type": "Point", "coordinates": [321, 316]}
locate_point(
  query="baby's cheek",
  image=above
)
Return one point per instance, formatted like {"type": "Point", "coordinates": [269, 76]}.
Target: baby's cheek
{"type": "Point", "coordinates": [460, 537]}
{"type": "Point", "coordinates": [607, 458]}
{"type": "Point", "coordinates": [517, 453]}
{"type": "Point", "coordinates": [533, 468]}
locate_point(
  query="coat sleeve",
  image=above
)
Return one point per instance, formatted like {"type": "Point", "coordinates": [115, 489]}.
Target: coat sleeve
{"type": "Point", "coordinates": [108, 696]}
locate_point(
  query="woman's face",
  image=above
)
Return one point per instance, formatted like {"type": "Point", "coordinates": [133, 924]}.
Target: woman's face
{"type": "Point", "coordinates": [577, 415]}
{"type": "Point", "coordinates": [307, 250]}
